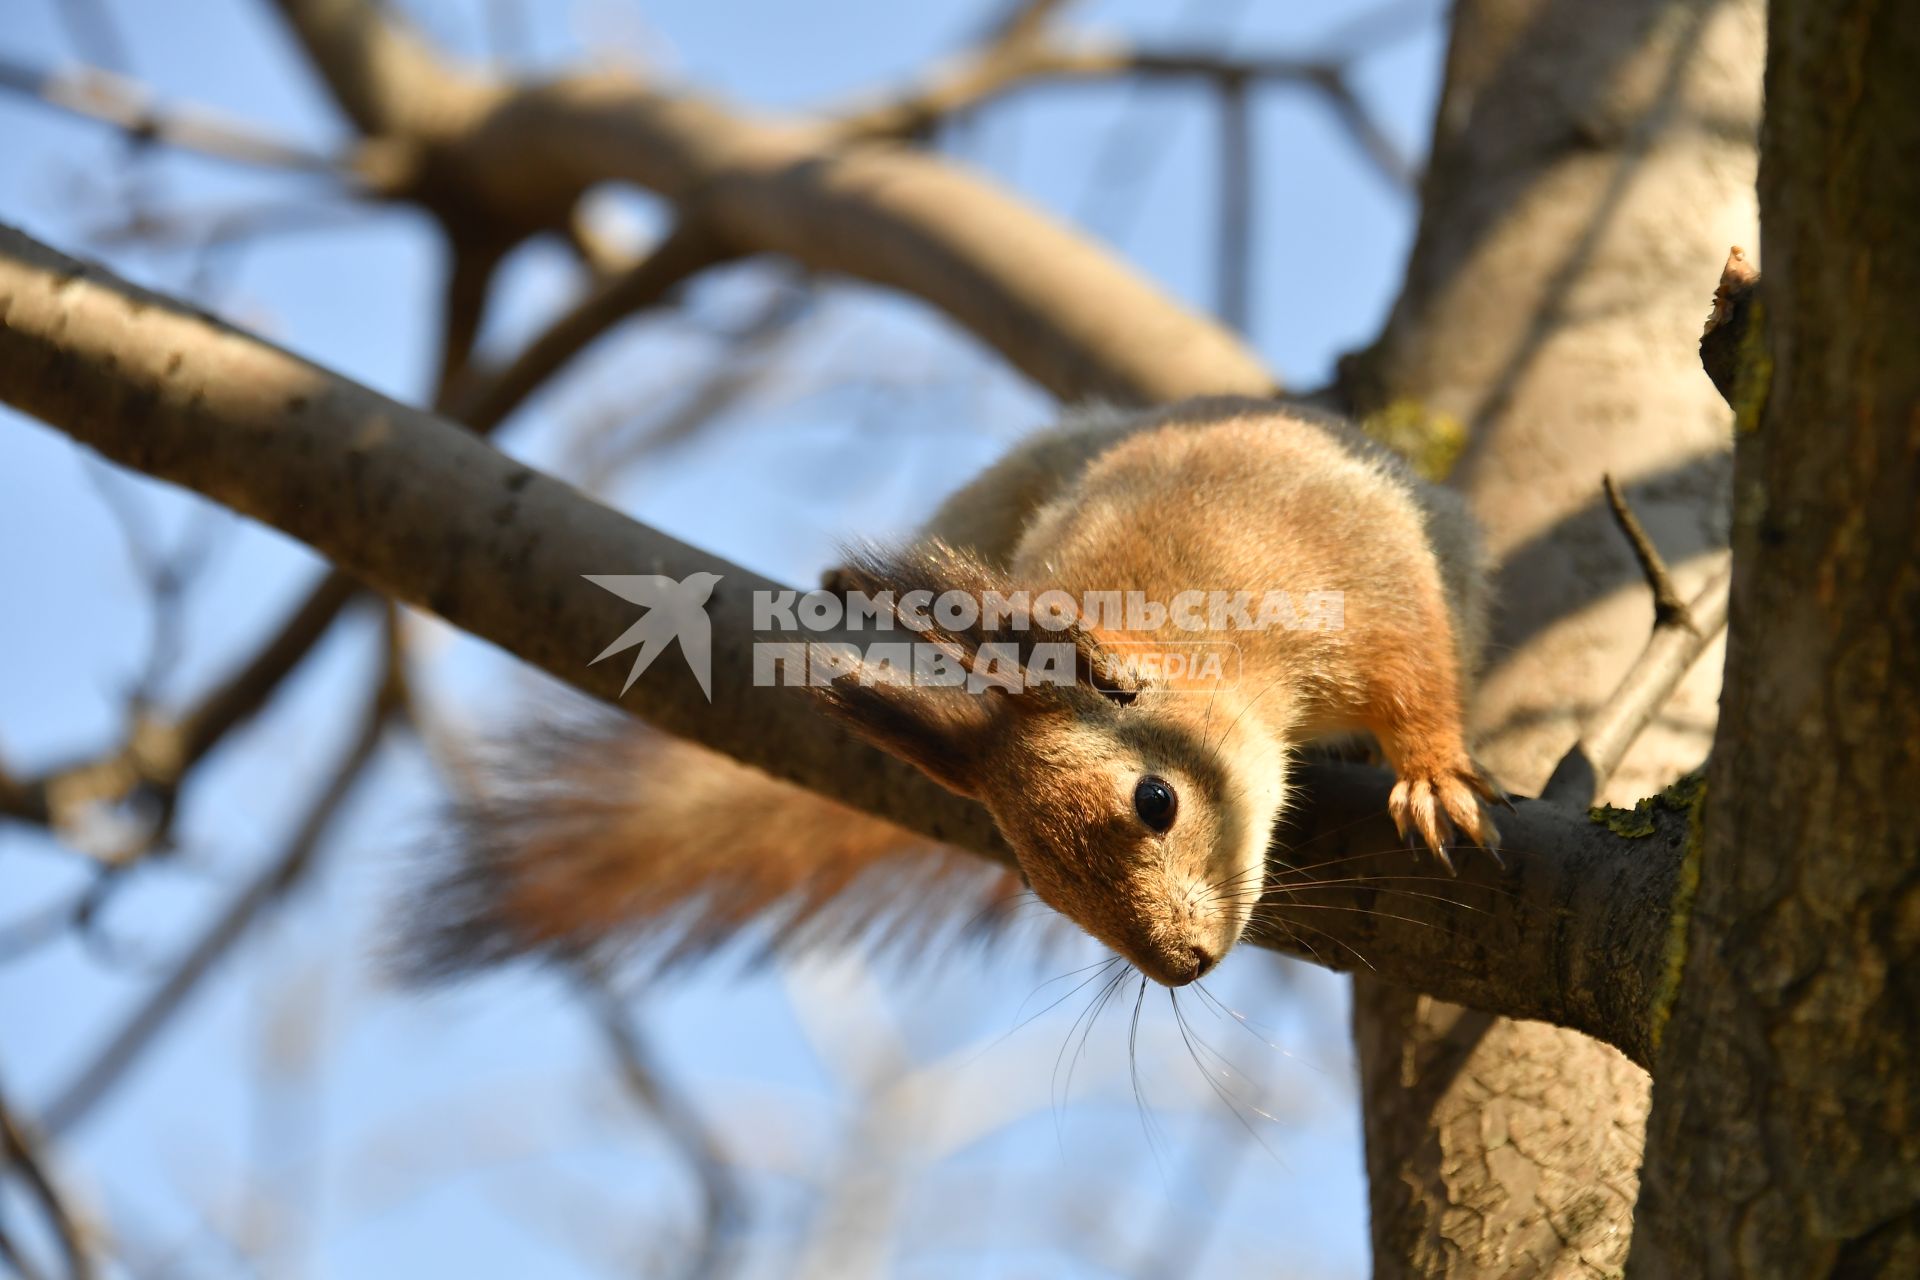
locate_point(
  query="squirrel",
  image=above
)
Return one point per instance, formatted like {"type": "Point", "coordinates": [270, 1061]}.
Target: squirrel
{"type": "Point", "coordinates": [1139, 803]}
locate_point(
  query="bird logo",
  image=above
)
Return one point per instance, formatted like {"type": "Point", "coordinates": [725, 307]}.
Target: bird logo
{"type": "Point", "coordinates": [676, 610]}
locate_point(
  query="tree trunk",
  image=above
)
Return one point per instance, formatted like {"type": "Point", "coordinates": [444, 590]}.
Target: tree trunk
{"type": "Point", "coordinates": [1785, 1137]}
{"type": "Point", "coordinates": [1591, 164]}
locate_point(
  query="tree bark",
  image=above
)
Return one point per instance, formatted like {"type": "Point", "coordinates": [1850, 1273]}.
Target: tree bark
{"type": "Point", "coordinates": [1591, 163]}
{"type": "Point", "coordinates": [1785, 1138]}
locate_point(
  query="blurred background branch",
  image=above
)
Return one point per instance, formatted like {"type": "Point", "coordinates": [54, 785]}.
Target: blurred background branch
{"type": "Point", "coordinates": [24, 1161]}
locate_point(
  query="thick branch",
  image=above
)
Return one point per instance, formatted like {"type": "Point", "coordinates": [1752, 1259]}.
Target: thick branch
{"type": "Point", "coordinates": [383, 76]}
{"type": "Point", "coordinates": [421, 509]}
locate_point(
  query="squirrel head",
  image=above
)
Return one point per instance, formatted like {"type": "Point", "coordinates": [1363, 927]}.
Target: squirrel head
{"type": "Point", "coordinates": [1142, 813]}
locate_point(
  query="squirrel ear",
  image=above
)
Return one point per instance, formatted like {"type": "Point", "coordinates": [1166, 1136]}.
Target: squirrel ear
{"type": "Point", "coordinates": [940, 730]}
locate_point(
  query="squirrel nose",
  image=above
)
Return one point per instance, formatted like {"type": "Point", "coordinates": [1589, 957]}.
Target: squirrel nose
{"type": "Point", "coordinates": [1180, 968]}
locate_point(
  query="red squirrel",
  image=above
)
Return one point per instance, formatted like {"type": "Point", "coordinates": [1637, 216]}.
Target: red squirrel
{"type": "Point", "coordinates": [1140, 805]}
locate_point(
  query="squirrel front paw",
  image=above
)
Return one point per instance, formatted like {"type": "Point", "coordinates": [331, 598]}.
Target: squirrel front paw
{"type": "Point", "coordinates": [1437, 802]}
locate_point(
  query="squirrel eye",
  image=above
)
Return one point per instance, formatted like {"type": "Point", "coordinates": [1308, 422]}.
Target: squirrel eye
{"type": "Point", "coordinates": [1155, 802]}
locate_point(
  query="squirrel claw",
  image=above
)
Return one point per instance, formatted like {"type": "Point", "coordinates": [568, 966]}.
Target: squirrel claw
{"type": "Point", "coordinates": [1437, 805]}
{"type": "Point", "coordinates": [1477, 781]}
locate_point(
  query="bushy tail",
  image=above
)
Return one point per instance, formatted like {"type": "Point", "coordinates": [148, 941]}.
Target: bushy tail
{"type": "Point", "coordinates": [605, 838]}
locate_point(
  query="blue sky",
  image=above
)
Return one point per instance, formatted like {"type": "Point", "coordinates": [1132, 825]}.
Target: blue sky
{"type": "Point", "coordinates": [306, 1113]}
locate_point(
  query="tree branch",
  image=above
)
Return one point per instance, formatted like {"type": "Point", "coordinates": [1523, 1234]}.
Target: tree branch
{"type": "Point", "coordinates": [161, 755]}
{"type": "Point", "coordinates": [470, 274]}
{"type": "Point", "coordinates": [722, 1212]}
{"type": "Point", "coordinates": [1233, 262]}
{"type": "Point", "coordinates": [1681, 630]}
{"type": "Point", "coordinates": [124, 1046]}
{"type": "Point", "coordinates": [383, 76]}
{"type": "Point", "coordinates": [109, 99]}
{"type": "Point", "coordinates": [22, 1154]}
{"type": "Point", "coordinates": [1675, 645]}
{"type": "Point", "coordinates": [1726, 331]}
{"type": "Point", "coordinates": [1668, 607]}
{"type": "Point", "coordinates": [520, 157]}
{"type": "Point", "coordinates": [1004, 68]}
{"type": "Point", "coordinates": [508, 161]}
{"type": "Point", "coordinates": [687, 251]}
{"type": "Point", "coordinates": [421, 509]}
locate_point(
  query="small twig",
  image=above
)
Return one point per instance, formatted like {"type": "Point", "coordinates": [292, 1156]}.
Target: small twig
{"type": "Point", "coordinates": [721, 1209]}
{"type": "Point", "coordinates": [1003, 55]}
{"type": "Point", "coordinates": [1373, 141]}
{"type": "Point", "coordinates": [1022, 20]}
{"type": "Point", "coordinates": [1683, 633]}
{"type": "Point", "coordinates": [247, 689]}
{"type": "Point", "coordinates": [1671, 651]}
{"type": "Point", "coordinates": [469, 277]}
{"type": "Point", "coordinates": [94, 34]}
{"type": "Point", "coordinates": [23, 1154]}
{"type": "Point", "coordinates": [1234, 246]}
{"type": "Point", "coordinates": [158, 756]}
{"type": "Point", "coordinates": [1668, 607]}
{"type": "Point", "coordinates": [598, 455]}
{"type": "Point", "coordinates": [10, 1255]}
{"type": "Point", "coordinates": [685, 253]}
{"type": "Point", "coordinates": [998, 70]}
{"type": "Point", "coordinates": [204, 230]}
{"type": "Point", "coordinates": [167, 577]}
{"type": "Point", "coordinates": [279, 875]}
{"type": "Point", "coordinates": [109, 99]}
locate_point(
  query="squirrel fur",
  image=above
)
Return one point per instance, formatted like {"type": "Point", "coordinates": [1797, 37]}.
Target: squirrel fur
{"type": "Point", "coordinates": [1138, 805]}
